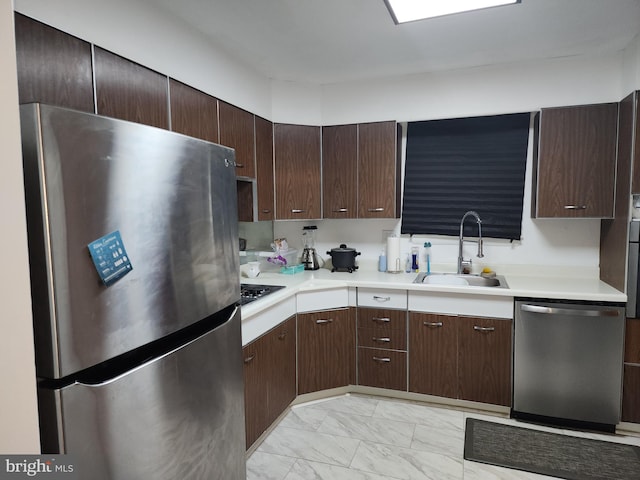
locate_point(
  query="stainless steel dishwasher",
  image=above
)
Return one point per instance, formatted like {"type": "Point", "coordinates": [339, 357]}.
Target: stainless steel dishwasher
{"type": "Point", "coordinates": [568, 362]}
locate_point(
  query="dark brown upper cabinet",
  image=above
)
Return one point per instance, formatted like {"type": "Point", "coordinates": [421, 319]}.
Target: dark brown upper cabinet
{"type": "Point", "coordinates": [53, 67]}
{"type": "Point", "coordinates": [634, 99]}
{"type": "Point", "coordinates": [378, 192]}
{"type": "Point", "coordinates": [340, 171]}
{"type": "Point", "coordinates": [264, 169]}
{"type": "Point", "coordinates": [297, 171]}
{"type": "Point", "coordinates": [193, 112]}
{"type": "Point", "coordinates": [129, 91]}
{"type": "Point", "coordinates": [576, 161]}
{"type": "Point", "coordinates": [237, 132]}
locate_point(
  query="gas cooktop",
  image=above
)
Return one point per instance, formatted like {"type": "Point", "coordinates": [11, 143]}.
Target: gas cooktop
{"type": "Point", "coordinates": [249, 293]}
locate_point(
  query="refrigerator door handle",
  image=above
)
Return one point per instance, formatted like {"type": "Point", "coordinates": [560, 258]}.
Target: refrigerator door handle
{"type": "Point", "coordinates": [160, 355]}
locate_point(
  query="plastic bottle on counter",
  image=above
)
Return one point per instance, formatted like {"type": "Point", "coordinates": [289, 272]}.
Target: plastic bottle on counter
{"type": "Point", "coordinates": [407, 264]}
{"type": "Point", "coordinates": [427, 257]}
{"type": "Point", "coordinates": [382, 261]}
{"type": "Point", "coordinates": [415, 253]}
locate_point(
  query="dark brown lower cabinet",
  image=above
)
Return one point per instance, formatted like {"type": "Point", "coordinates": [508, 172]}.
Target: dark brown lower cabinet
{"type": "Point", "coordinates": [269, 378]}
{"type": "Point", "coordinates": [433, 354]}
{"type": "Point", "coordinates": [460, 357]}
{"type": "Point", "coordinates": [631, 394]}
{"type": "Point", "coordinates": [382, 368]}
{"type": "Point", "coordinates": [484, 360]}
{"type": "Point", "coordinates": [326, 349]}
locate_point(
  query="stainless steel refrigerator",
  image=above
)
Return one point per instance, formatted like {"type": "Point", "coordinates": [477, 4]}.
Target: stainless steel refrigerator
{"type": "Point", "coordinates": [134, 271]}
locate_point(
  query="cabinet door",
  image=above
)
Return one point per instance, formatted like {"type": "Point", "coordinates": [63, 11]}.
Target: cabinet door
{"type": "Point", "coordinates": [631, 394]}
{"type": "Point", "coordinates": [377, 170]}
{"type": "Point", "coordinates": [264, 169]}
{"type": "Point", "coordinates": [632, 341]}
{"type": "Point", "coordinates": [340, 171]}
{"type": "Point", "coordinates": [281, 368]}
{"type": "Point", "coordinates": [433, 354]}
{"type": "Point", "coordinates": [326, 350]}
{"type": "Point", "coordinates": [193, 112]}
{"type": "Point", "coordinates": [576, 161]}
{"type": "Point", "coordinates": [484, 360]}
{"type": "Point", "coordinates": [237, 131]}
{"type": "Point", "coordinates": [256, 411]}
{"type": "Point", "coordinates": [297, 171]}
{"type": "Point", "coordinates": [382, 368]}
{"type": "Point", "coordinates": [53, 67]}
{"type": "Point", "coordinates": [129, 91]}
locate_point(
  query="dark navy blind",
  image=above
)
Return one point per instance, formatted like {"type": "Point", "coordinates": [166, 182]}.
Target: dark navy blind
{"type": "Point", "coordinates": [462, 164]}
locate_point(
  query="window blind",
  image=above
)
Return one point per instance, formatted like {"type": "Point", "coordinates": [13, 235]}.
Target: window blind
{"type": "Point", "coordinates": [457, 165]}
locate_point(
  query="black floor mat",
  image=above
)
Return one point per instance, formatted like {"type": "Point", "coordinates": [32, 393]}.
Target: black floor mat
{"type": "Point", "coordinates": [552, 454]}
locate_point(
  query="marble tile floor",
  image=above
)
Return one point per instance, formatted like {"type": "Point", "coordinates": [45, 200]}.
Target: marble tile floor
{"type": "Point", "coordinates": [360, 437]}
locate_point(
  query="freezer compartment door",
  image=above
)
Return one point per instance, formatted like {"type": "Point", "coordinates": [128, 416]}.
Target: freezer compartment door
{"type": "Point", "coordinates": [180, 416]}
{"type": "Point", "coordinates": [173, 200]}
{"type": "Point", "coordinates": [568, 361]}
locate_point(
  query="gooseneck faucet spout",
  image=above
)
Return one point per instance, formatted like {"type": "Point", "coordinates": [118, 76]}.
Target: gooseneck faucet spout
{"type": "Point", "coordinates": [462, 262]}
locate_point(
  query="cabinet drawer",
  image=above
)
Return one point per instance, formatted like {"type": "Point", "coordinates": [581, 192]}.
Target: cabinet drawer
{"type": "Point", "coordinates": [373, 297]}
{"type": "Point", "coordinates": [382, 368]}
{"type": "Point", "coordinates": [382, 338]}
{"type": "Point", "coordinates": [382, 319]}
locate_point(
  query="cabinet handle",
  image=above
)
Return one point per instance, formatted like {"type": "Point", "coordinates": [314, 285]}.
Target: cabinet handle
{"type": "Point", "coordinates": [282, 336]}
{"type": "Point", "coordinates": [432, 324]}
{"type": "Point", "coordinates": [381, 299]}
{"type": "Point", "coordinates": [266, 210]}
{"type": "Point", "coordinates": [483, 329]}
{"type": "Point", "coordinates": [575, 207]}
{"type": "Point", "coordinates": [249, 358]}
{"type": "Point", "coordinates": [239, 165]}
{"type": "Point", "coordinates": [377, 209]}
{"type": "Point", "coordinates": [381, 339]}
{"type": "Point", "coordinates": [296, 210]}
{"type": "Point", "coordinates": [380, 319]}
{"type": "Point", "coordinates": [382, 359]}
{"type": "Point", "coordinates": [341, 210]}
{"type": "Point", "coordinates": [324, 320]}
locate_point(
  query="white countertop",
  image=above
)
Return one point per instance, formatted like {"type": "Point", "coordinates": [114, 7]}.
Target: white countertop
{"type": "Point", "coordinates": [566, 287]}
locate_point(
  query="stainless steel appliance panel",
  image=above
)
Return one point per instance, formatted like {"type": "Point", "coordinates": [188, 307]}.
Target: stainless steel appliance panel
{"type": "Point", "coordinates": [164, 420]}
{"type": "Point", "coordinates": [172, 198]}
{"type": "Point", "coordinates": [568, 361]}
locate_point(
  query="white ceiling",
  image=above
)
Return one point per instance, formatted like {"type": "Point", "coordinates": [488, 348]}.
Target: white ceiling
{"type": "Point", "coordinates": [330, 41]}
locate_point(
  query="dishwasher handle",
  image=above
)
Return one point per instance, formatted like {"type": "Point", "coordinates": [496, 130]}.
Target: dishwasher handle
{"type": "Point", "coordinates": [570, 311]}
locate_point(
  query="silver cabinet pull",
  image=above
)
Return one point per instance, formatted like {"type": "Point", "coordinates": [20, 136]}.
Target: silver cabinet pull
{"type": "Point", "coordinates": [382, 359]}
{"type": "Point", "coordinates": [239, 165]}
{"type": "Point", "coordinates": [282, 336]}
{"type": "Point", "coordinates": [381, 319]}
{"type": "Point", "coordinates": [432, 324]}
{"type": "Point", "coordinates": [341, 210]}
{"type": "Point", "coordinates": [249, 358]}
{"type": "Point", "coordinates": [569, 311]}
{"type": "Point", "coordinates": [381, 339]}
{"type": "Point", "coordinates": [483, 329]}
{"type": "Point", "coordinates": [296, 210]}
{"type": "Point", "coordinates": [322, 321]}
{"type": "Point", "coordinates": [575, 207]}
{"type": "Point", "coordinates": [266, 210]}
{"type": "Point", "coordinates": [381, 299]}
{"type": "Point", "coordinates": [377, 209]}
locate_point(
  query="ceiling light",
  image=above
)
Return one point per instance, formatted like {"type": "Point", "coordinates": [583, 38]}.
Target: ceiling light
{"type": "Point", "coordinates": [409, 10]}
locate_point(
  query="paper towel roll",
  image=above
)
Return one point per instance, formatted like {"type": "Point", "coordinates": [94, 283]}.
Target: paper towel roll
{"type": "Point", "coordinates": [394, 262]}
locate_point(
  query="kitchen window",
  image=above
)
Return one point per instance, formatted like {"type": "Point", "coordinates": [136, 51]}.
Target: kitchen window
{"type": "Point", "coordinates": [462, 164]}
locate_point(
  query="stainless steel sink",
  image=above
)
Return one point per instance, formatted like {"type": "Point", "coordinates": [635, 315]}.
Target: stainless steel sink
{"type": "Point", "coordinates": [462, 279]}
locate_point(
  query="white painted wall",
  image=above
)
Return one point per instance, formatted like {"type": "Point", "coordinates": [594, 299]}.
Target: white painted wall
{"type": "Point", "coordinates": [18, 409]}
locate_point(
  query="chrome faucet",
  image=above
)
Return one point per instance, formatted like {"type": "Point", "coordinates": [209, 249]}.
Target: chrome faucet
{"type": "Point", "coordinates": [462, 262]}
